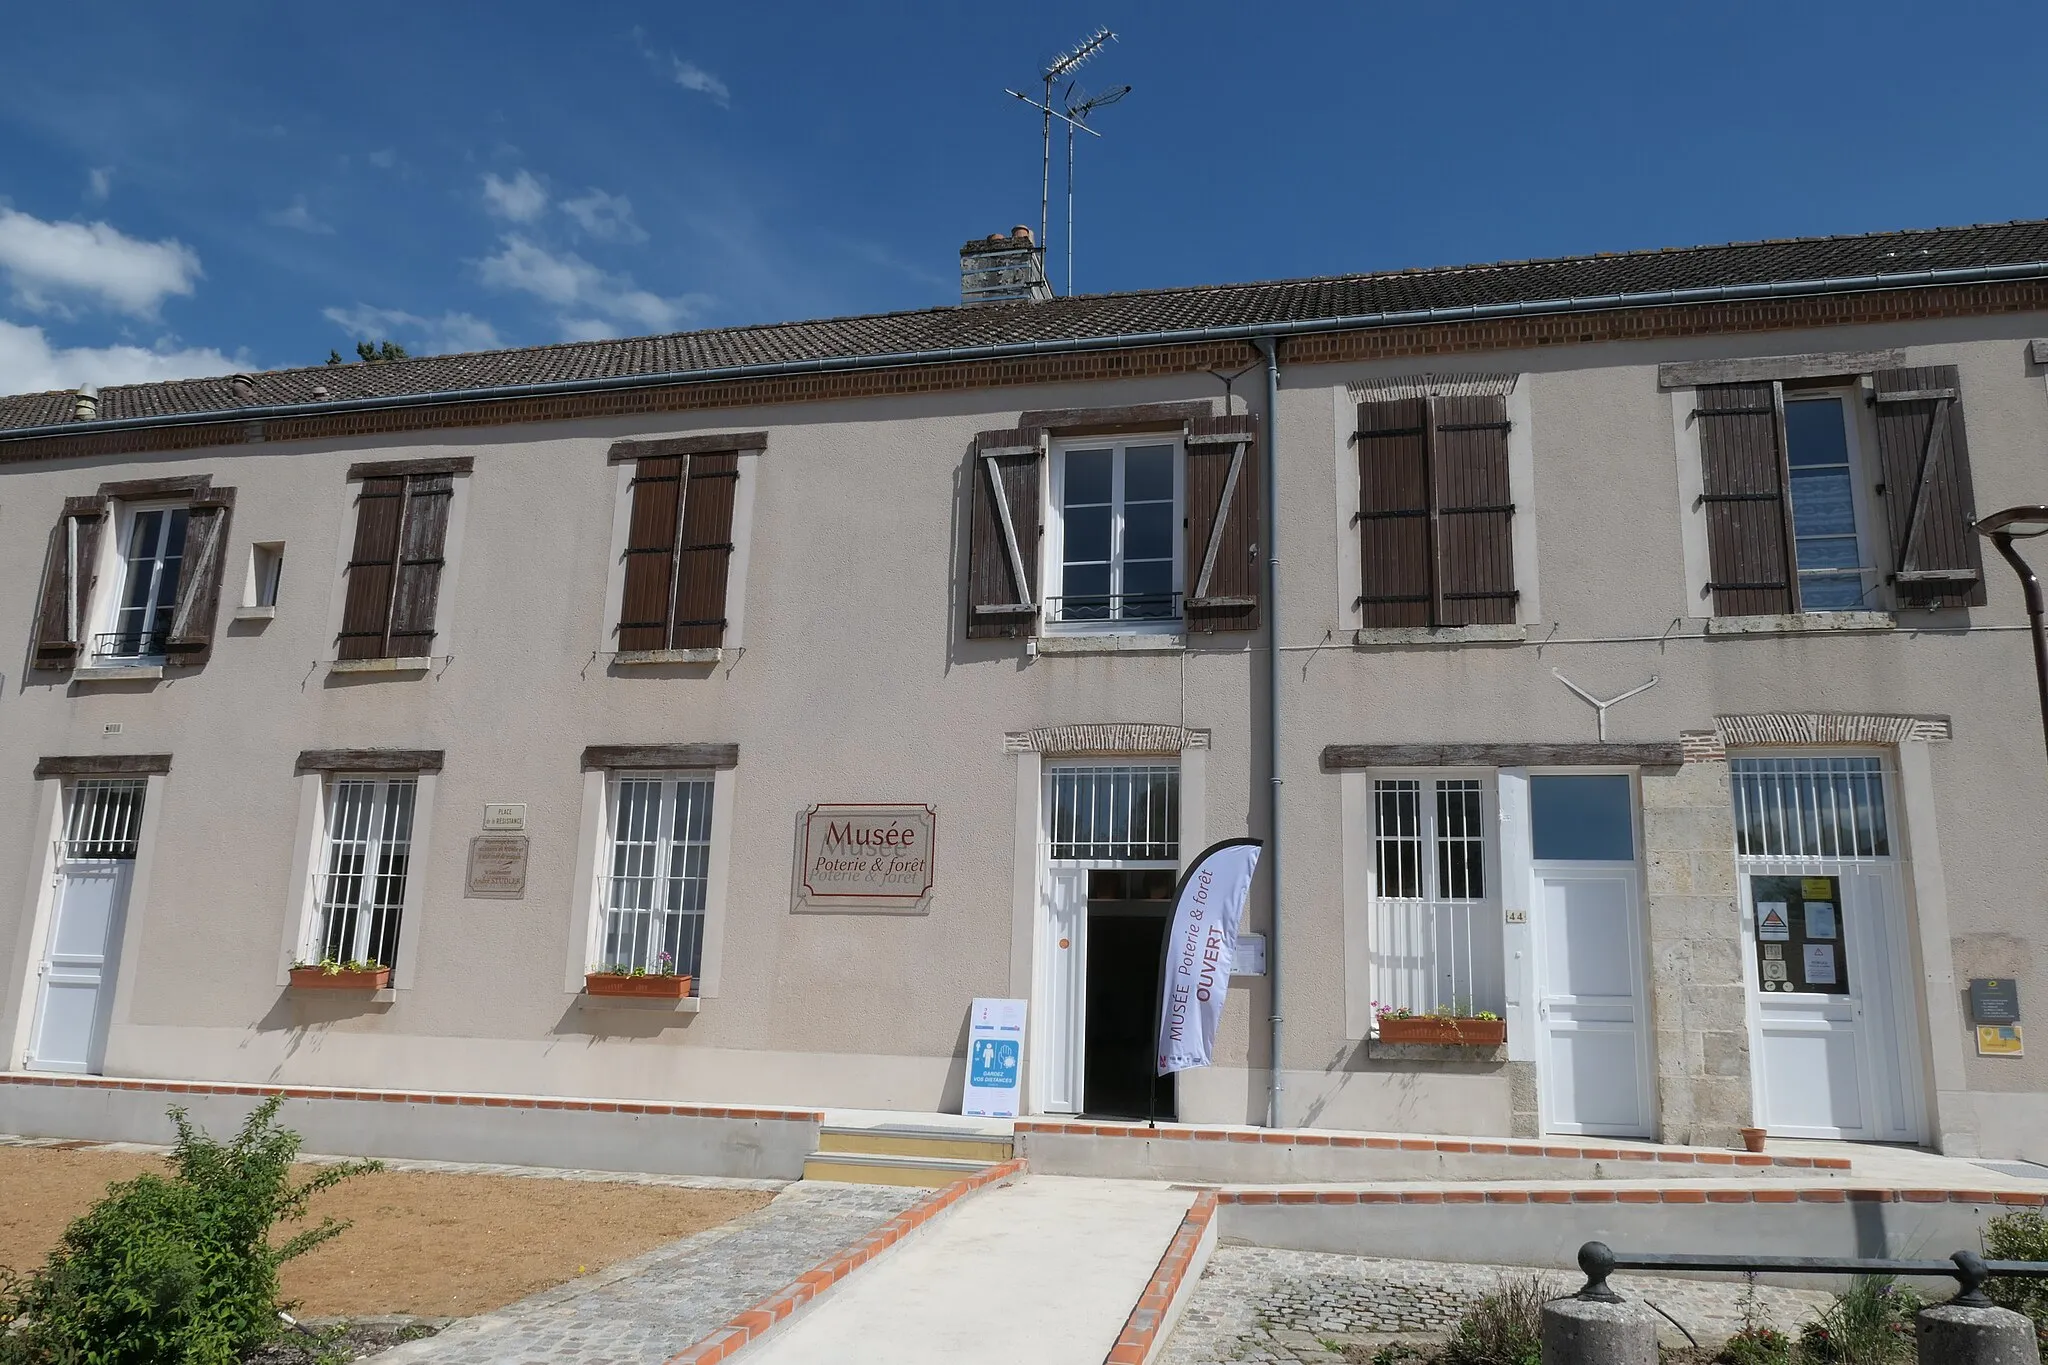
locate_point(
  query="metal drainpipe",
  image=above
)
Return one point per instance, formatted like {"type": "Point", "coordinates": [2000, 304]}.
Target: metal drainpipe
{"type": "Point", "coordinates": [1270, 348]}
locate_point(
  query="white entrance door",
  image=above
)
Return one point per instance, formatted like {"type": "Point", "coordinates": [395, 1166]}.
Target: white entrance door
{"type": "Point", "coordinates": [1061, 1014]}
{"type": "Point", "coordinates": [1824, 929]}
{"type": "Point", "coordinates": [1594, 1058]}
{"type": "Point", "coordinates": [95, 864]}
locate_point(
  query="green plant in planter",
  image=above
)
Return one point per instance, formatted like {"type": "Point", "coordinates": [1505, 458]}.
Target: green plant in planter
{"type": "Point", "coordinates": [664, 965]}
{"type": "Point", "coordinates": [2021, 1235]}
{"type": "Point", "coordinates": [177, 1271]}
{"type": "Point", "coordinates": [329, 966]}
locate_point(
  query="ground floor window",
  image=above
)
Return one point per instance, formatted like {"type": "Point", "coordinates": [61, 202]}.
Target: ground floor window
{"type": "Point", "coordinates": [364, 866]}
{"type": "Point", "coordinates": [1115, 812]}
{"type": "Point", "coordinates": [1827, 807]}
{"type": "Point", "coordinates": [1435, 934]}
{"type": "Point", "coordinates": [657, 870]}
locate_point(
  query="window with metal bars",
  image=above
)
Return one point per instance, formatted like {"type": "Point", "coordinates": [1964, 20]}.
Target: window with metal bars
{"type": "Point", "coordinates": [656, 872]}
{"type": "Point", "coordinates": [1823, 807]}
{"type": "Point", "coordinates": [359, 893]}
{"type": "Point", "coordinates": [104, 818]}
{"type": "Point", "coordinates": [1435, 937]}
{"type": "Point", "coordinates": [1454, 832]}
{"type": "Point", "coordinates": [1114, 812]}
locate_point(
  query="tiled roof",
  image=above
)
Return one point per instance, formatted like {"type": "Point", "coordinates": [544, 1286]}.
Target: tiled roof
{"type": "Point", "coordinates": [1592, 281]}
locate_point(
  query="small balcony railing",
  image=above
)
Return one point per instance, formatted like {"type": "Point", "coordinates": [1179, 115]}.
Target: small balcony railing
{"type": "Point", "coordinates": [131, 644]}
{"type": "Point", "coordinates": [1437, 956]}
{"type": "Point", "coordinates": [1126, 607]}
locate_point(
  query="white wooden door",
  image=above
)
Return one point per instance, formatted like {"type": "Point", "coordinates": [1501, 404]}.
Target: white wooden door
{"type": "Point", "coordinates": [1061, 1009]}
{"type": "Point", "coordinates": [78, 968]}
{"type": "Point", "coordinates": [1594, 1059]}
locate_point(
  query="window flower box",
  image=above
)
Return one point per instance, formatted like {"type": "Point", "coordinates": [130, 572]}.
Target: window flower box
{"type": "Point", "coordinates": [353, 977]}
{"type": "Point", "coordinates": [1443, 1030]}
{"type": "Point", "coordinates": [642, 987]}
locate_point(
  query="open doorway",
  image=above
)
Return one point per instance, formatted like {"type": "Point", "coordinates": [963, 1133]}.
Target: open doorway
{"type": "Point", "coordinates": [1128, 911]}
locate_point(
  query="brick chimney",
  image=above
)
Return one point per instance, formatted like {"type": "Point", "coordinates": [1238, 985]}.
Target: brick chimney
{"type": "Point", "coordinates": [1003, 269]}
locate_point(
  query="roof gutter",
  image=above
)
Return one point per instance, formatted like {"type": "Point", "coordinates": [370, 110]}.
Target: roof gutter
{"type": "Point", "coordinates": [1246, 332]}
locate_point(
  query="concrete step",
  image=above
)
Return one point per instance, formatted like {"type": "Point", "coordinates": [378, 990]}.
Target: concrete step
{"type": "Point", "coordinates": [907, 1140]}
{"type": "Point", "coordinates": [886, 1168]}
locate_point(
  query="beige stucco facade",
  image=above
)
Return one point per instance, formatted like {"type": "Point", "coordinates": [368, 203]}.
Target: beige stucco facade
{"type": "Point", "coordinates": [845, 677]}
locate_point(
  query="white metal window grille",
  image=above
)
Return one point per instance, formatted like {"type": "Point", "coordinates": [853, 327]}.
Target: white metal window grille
{"type": "Point", "coordinates": [148, 595]}
{"type": "Point", "coordinates": [1810, 808]}
{"type": "Point", "coordinates": [361, 892]}
{"type": "Point", "coordinates": [1123, 812]}
{"type": "Point", "coordinates": [660, 865]}
{"type": "Point", "coordinates": [105, 819]}
{"type": "Point", "coordinates": [1435, 932]}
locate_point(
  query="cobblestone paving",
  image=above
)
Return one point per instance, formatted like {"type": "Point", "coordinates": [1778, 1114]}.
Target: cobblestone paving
{"type": "Point", "coordinates": [1264, 1305]}
{"type": "Point", "coordinates": [642, 1311]}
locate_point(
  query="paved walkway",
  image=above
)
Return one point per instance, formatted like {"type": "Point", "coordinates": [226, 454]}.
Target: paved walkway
{"type": "Point", "coordinates": [642, 1311]}
{"type": "Point", "coordinates": [1041, 1272]}
{"type": "Point", "coordinates": [1265, 1305]}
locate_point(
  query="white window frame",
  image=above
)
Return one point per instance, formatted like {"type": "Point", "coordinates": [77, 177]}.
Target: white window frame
{"type": "Point", "coordinates": [309, 864]}
{"type": "Point", "coordinates": [374, 841]}
{"type": "Point", "coordinates": [261, 581]}
{"type": "Point", "coordinates": [1870, 546]}
{"type": "Point", "coordinates": [666, 849]}
{"type": "Point", "coordinates": [736, 565]}
{"type": "Point", "coordinates": [444, 602]}
{"type": "Point", "coordinates": [111, 587]}
{"type": "Point", "coordinates": [1054, 571]}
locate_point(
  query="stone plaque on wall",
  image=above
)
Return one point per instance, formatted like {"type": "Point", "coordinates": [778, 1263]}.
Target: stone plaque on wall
{"type": "Point", "coordinates": [876, 858]}
{"type": "Point", "coordinates": [497, 867]}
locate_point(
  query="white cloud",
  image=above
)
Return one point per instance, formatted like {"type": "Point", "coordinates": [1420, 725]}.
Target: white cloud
{"type": "Point", "coordinates": [29, 363]}
{"type": "Point", "coordinates": [99, 183]}
{"type": "Point", "coordinates": [691, 76]}
{"type": "Point", "coordinates": [384, 158]}
{"type": "Point", "coordinates": [588, 296]}
{"type": "Point", "coordinates": [607, 217]}
{"type": "Point", "coordinates": [448, 334]}
{"type": "Point", "coordinates": [48, 262]}
{"type": "Point", "coordinates": [297, 216]}
{"type": "Point", "coordinates": [521, 199]}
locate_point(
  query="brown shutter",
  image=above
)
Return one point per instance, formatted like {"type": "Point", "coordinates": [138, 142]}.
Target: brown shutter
{"type": "Point", "coordinates": [421, 545]}
{"type": "Point", "coordinates": [1744, 490]}
{"type": "Point", "coordinates": [1221, 557]}
{"type": "Point", "coordinates": [68, 576]}
{"type": "Point", "coordinates": [206, 552]}
{"type": "Point", "coordinates": [1003, 533]}
{"type": "Point", "coordinates": [704, 550]}
{"type": "Point", "coordinates": [372, 569]}
{"type": "Point", "coordinates": [1473, 521]}
{"type": "Point", "coordinates": [1393, 512]}
{"type": "Point", "coordinates": [651, 553]}
{"type": "Point", "coordinates": [1925, 479]}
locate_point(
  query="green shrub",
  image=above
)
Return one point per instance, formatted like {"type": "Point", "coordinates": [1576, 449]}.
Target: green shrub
{"type": "Point", "coordinates": [1756, 1345]}
{"type": "Point", "coordinates": [1503, 1328]}
{"type": "Point", "coordinates": [178, 1271]}
{"type": "Point", "coordinates": [1871, 1324]}
{"type": "Point", "coordinates": [2021, 1235]}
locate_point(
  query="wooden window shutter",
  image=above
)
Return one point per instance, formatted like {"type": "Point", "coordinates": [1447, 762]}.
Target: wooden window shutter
{"type": "Point", "coordinates": [394, 575]}
{"type": "Point", "coordinates": [1929, 504]}
{"type": "Point", "coordinates": [206, 553]}
{"type": "Point", "coordinates": [1435, 517]}
{"type": "Point", "coordinates": [1003, 533]}
{"type": "Point", "coordinates": [678, 551]}
{"type": "Point", "coordinates": [68, 576]}
{"type": "Point", "coordinates": [1746, 492]}
{"type": "Point", "coordinates": [1222, 570]}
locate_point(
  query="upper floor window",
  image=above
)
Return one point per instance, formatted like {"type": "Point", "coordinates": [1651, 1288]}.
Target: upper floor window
{"type": "Point", "coordinates": [395, 567]}
{"type": "Point", "coordinates": [1836, 568]}
{"type": "Point", "coordinates": [1435, 515]}
{"type": "Point", "coordinates": [1116, 534]}
{"type": "Point", "coordinates": [144, 594]}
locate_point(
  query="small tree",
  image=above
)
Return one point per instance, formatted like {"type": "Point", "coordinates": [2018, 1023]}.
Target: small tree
{"type": "Point", "coordinates": [370, 353]}
{"type": "Point", "coordinates": [178, 1271]}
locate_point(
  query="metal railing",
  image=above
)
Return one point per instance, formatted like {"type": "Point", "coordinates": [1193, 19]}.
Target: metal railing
{"type": "Point", "coordinates": [356, 915]}
{"type": "Point", "coordinates": [1966, 1268]}
{"type": "Point", "coordinates": [653, 922]}
{"type": "Point", "coordinates": [1437, 955]}
{"type": "Point", "coordinates": [1113, 606]}
{"type": "Point", "coordinates": [131, 644]}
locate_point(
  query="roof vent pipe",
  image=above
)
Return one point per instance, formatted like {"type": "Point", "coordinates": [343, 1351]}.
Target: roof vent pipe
{"type": "Point", "coordinates": [244, 386]}
{"type": "Point", "coordinates": [85, 403]}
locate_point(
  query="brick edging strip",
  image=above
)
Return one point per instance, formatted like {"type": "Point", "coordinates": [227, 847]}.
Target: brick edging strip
{"type": "Point", "coordinates": [1141, 1330]}
{"type": "Point", "coordinates": [724, 1342]}
{"type": "Point", "coordinates": [1705, 1156]}
{"type": "Point", "coordinates": [1694, 1194]}
{"type": "Point", "coordinates": [302, 1092]}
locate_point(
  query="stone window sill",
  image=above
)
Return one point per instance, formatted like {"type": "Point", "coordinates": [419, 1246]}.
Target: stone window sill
{"type": "Point", "coordinates": [689, 1004]}
{"type": "Point", "coordinates": [415, 664]}
{"type": "Point", "coordinates": [117, 673]}
{"type": "Point", "coordinates": [255, 613]}
{"type": "Point", "coordinates": [1435, 1052]}
{"type": "Point", "coordinates": [634, 658]}
{"type": "Point", "coordinates": [1439, 635]}
{"type": "Point", "coordinates": [1112, 644]}
{"type": "Point", "coordinates": [1802, 623]}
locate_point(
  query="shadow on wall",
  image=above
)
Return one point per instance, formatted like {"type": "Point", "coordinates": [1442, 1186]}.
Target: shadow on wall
{"type": "Point", "coordinates": [599, 1024]}
{"type": "Point", "coordinates": [304, 1018]}
{"type": "Point", "coordinates": [1353, 1058]}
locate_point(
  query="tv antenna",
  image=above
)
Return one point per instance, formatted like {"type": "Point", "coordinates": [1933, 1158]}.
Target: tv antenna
{"type": "Point", "coordinates": [1055, 70]}
{"type": "Point", "coordinates": [1077, 114]}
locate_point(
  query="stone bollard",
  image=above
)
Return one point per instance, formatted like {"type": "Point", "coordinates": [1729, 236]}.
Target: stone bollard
{"type": "Point", "coordinates": [1956, 1334]}
{"type": "Point", "coordinates": [1596, 1332]}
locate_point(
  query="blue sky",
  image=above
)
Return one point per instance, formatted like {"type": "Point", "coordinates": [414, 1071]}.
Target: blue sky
{"type": "Point", "coordinates": [200, 188]}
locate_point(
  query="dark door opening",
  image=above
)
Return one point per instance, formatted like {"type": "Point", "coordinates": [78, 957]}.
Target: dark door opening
{"type": "Point", "coordinates": [1127, 920]}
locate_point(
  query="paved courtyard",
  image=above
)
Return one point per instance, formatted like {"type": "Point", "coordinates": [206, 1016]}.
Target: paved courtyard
{"type": "Point", "coordinates": [642, 1311]}
{"type": "Point", "coordinates": [1263, 1305]}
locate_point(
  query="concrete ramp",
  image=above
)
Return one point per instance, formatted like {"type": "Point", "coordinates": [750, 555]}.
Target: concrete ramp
{"type": "Point", "coordinates": [1041, 1272]}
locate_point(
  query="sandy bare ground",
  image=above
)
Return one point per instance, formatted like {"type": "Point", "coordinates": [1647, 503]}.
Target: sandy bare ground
{"type": "Point", "coordinates": [431, 1244]}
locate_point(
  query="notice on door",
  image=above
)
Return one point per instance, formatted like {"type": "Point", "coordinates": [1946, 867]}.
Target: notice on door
{"type": "Point", "coordinates": [1773, 923]}
{"type": "Point", "coordinates": [875, 858]}
{"type": "Point", "coordinates": [1799, 935]}
{"type": "Point", "coordinates": [1820, 964]}
{"type": "Point", "coordinates": [995, 1058]}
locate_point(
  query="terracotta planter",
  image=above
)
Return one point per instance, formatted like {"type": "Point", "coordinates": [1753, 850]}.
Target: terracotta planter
{"type": "Point", "coordinates": [1752, 1139]}
{"type": "Point", "coordinates": [1435, 1028]}
{"type": "Point", "coordinates": [317, 979]}
{"type": "Point", "coordinates": [637, 987]}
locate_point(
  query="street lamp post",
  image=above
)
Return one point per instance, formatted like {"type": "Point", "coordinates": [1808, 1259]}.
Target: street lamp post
{"type": "Point", "coordinates": [2024, 523]}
